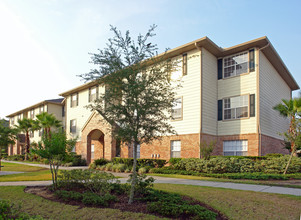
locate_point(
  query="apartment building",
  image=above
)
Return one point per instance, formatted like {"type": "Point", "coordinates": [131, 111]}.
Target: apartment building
{"type": "Point", "coordinates": [52, 106]}
{"type": "Point", "coordinates": [227, 96]}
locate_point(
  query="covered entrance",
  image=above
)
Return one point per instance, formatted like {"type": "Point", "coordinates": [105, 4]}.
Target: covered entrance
{"type": "Point", "coordinates": [95, 145]}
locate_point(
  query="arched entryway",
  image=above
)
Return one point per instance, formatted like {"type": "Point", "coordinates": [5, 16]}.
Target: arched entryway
{"type": "Point", "coordinates": [95, 145]}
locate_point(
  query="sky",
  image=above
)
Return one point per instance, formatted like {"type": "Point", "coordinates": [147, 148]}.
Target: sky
{"type": "Point", "coordinates": [45, 44]}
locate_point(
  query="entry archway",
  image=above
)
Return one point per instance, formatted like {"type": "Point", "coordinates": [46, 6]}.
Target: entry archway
{"type": "Point", "coordinates": [95, 145]}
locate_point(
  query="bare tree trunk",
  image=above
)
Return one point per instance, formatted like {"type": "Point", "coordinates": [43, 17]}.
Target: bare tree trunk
{"type": "Point", "coordinates": [27, 145]}
{"type": "Point", "coordinates": [134, 177]}
{"type": "Point", "coordinates": [289, 161]}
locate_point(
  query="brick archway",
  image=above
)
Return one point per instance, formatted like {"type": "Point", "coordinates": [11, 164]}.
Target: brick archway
{"type": "Point", "coordinates": [97, 130]}
{"type": "Point", "coordinates": [95, 145]}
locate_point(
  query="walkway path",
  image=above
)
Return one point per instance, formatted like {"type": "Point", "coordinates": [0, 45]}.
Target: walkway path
{"type": "Point", "coordinates": [228, 185]}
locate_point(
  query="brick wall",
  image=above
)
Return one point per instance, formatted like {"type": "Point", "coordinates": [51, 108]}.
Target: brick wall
{"type": "Point", "coordinates": [272, 145]}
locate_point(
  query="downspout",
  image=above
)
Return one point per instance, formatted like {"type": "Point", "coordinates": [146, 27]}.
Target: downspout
{"type": "Point", "coordinates": [258, 101]}
{"type": "Point", "coordinates": [201, 95]}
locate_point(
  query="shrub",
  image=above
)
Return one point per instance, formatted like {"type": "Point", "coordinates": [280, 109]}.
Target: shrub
{"type": "Point", "coordinates": [140, 162]}
{"type": "Point", "coordinates": [142, 170]}
{"type": "Point", "coordinates": [174, 161]}
{"type": "Point", "coordinates": [94, 199]}
{"type": "Point", "coordinates": [109, 166]}
{"type": "Point", "coordinates": [100, 162]}
{"type": "Point", "coordinates": [92, 180]}
{"type": "Point", "coordinates": [274, 155]}
{"type": "Point", "coordinates": [143, 183]}
{"type": "Point", "coordinates": [206, 150]}
{"type": "Point", "coordinates": [120, 167]}
{"type": "Point", "coordinates": [68, 195]}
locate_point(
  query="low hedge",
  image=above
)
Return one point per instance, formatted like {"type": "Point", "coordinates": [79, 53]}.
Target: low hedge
{"type": "Point", "coordinates": [220, 164]}
{"type": "Point", "coordinates": [158, 163]}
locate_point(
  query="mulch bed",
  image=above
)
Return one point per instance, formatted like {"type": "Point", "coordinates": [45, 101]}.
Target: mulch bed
{"type": "Point", "coordinates": [122, 204]}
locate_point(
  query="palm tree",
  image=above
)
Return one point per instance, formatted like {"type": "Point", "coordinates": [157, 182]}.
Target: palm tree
{"type": "Point", "coordinates": [290, 109]}
{"type": "Point", "coordinates": [48, 121]}
{"type": "Point", "coordinates": [27, 125]}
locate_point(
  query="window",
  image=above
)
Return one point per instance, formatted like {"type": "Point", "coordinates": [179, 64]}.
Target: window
{"type": "Point", "coordinates": [175, 149]}
{"type": "Point", "coordinates": [92, 151]}
{"type": "Point", "coordinates": [41, 109]}
{"type": "Point", "coordinates": [31, 134]}
{"type": "Point", "coordinates": [63, 111]}
{"type": "Point", "coordinates": [236, 65]}
{"type": "Point", "coordinates": [74, 100]}
{"type": "Point", "coordinates": [93, 93]}
{"type": "Point", "coordinates": [236, 107]}
{"type": "Point", "coordinates": [32, 114]}
{"type": "Point", "coordinates": [176, 112]}
{"type": "Point", "coordinates": [12, 121]}
{"type": "Point", "coordinates": [184, 64]}
{"type": "Point", "coordinates": [236, 148]}
{"type": "Point", "coordinates": [19, 117]}
{"type": "Point", "coordinates": [73, 126]}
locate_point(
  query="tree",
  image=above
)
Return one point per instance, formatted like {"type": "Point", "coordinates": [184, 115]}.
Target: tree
{"type": "Point", "coordinates": [55, 150]}
{"type": "Point", "coordinates": [292, 110]}
{"type": "Point", "coordinates": [7, 136]}
{"type": "Point", "coordinates": [48, 121]}
{"type": "Point", "coordinates": [27, 125]}
{"type": "Point", "coordinates": [139, 95]}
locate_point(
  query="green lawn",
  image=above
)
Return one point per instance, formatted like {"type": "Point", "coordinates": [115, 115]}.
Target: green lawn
{"type": "Point", "coordinates": [31, 173]}
{"type": "Point", "coordinates": [237, 204]}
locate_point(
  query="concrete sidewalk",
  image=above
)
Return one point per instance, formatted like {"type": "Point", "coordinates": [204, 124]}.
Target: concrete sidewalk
{"type": "Point", "coordinates": [227, 185]}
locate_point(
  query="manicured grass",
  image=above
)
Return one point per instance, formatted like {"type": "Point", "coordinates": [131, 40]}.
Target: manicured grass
{"type": "Point", "coordinates": [236, 204]}
{"type": "Point", "coordinates": [31, 173]}
{"type": "Point", "coordinates": [35, 205]}
{"type": "Point", "coordinates": [20, 167]}
{"type": "Point", "coordinates": [260, 182]}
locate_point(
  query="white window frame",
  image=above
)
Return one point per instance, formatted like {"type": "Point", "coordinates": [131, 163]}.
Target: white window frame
{"type": "Point", "coordinates": [234, 105]}
{"type": "Point", "coordinates": [93, 93]}
{"type": "Point", "coordinates": [234, 61]}
{"type": "Point", "coordinates": [235, 148]}
{"type": "Point", "coordinates": [175, 149]}
{"type": "Point", "coordinates": [74, 100]}
{"type": "Point", "coordinates": [177, 109]}
{"type": "Point", "coordinates": [73, 127]}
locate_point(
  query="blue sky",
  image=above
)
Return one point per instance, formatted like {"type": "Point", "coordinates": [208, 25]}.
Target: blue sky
{"type": "Point", "coordinates": [44, 44]}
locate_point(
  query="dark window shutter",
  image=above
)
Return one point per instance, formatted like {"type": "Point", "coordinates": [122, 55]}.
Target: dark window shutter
{"type": "Point", "coordinates": [89, 96]}
{"type": "Point", "coordinates": [252, 105]}
{"type": "Point", "coordinates": [252, 60]}
{"type": "Point", "coordinates": [220, 110]}
{"type": "Point", "coordinates": [77, 99]}
{"type": "Point", "coordinates": [97, 93]}
{"type": "Point", "coordinates": [70, 101]}
{"type": "Point", "coordinates": [220, 68]}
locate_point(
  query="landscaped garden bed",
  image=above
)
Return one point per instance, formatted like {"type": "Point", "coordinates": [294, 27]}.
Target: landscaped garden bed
{"type": "Point", "coordinates": [102, 190]}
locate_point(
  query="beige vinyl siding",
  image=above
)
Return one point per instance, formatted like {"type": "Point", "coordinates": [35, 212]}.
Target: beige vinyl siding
{"type": "Point", "coordinates": [237, 86]}
{"type": "Point", "coordinates": [209, 93]}
{"type": "Point", "coordinates": [272, 89]}
{"type": "Point", "coordinates": [56, 110]}
{"type": "Point", "coordinates": [80, 112]}
{"type": "Point", "coordinates": [190, 93]}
